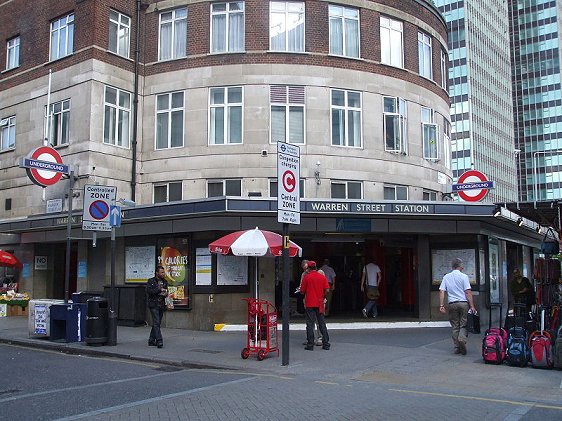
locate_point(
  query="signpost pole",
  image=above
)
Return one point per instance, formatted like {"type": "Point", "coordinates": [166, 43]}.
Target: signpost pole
{"type": "Point", "coordinates": [112, 317]}
{"type": "Point", "coordinates": [285, 303]}
{"type": "Point", "coordinates": [68, 236]}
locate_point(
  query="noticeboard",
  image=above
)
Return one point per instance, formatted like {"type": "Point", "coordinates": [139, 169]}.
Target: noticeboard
{"type": "Point", "coordinates": [441, 264]}
{"type": "Point", "coordinates": [139, 263]}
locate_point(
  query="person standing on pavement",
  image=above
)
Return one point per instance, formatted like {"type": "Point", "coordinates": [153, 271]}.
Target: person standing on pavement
{"type": "Point", "coordinates": [522, 290]}
{"type": "Point", "coordinates": [314, 287]}
{"type": "Point", "coordinates": [459, 297]}
{"type": "Point", "coordinates": [370, 282]}
{"type": "Point", "coordinates": [156, 291]}
{"type": "Point", "coordinates": [330, 274]}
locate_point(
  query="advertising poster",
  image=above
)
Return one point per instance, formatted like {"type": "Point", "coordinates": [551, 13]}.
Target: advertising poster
{"type": "Point", "coordinates": [173, 255]}
{"type": "Point", "coordinates": [203, 266]}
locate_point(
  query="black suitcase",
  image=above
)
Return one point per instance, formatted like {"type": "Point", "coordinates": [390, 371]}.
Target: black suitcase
{"type": "Point", "coordinates": [518, 319]}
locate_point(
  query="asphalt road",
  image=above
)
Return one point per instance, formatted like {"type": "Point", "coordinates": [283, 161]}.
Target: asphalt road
{"type": "Point", "coordinates": [46, 385]}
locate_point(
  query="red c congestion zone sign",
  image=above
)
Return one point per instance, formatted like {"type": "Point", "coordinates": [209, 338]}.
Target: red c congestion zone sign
{"type": "Point", "coordinates": [44, 166]}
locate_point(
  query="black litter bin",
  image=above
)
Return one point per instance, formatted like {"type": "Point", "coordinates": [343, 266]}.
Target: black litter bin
{"type": "Point", "coordinates": [97, 321]}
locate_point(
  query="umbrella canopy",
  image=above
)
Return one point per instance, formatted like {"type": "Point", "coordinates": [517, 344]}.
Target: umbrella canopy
{"type": "Point", "coordinates": [254, 242]}
{"type": "Point", "coordinates": [9, 260]}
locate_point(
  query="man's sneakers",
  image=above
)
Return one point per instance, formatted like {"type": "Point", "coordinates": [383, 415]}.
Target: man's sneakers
{"type": "Point", "coordinates": [309, 347]}
{"type": "Point", "coordinates": [151, 342]}
{"type": "Point", "coordinates": [364, 313]}
{"type": "Point", "coordinates": [462, 348]}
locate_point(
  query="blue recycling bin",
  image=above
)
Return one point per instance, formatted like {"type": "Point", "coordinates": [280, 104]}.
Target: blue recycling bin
{"type": "Point", "coordinates": [68, 322]}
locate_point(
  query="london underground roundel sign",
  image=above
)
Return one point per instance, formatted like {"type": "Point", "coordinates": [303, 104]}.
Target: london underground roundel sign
{"type": "Point", "coordinates": [473, 186]}
{"type": "Point", "coordinates": [44, 166]}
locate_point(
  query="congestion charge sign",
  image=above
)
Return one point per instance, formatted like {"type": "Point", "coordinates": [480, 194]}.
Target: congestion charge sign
{"type": "Point", "coordinates": [473, 186]}
{"type": "Point", "coordinates": [97, 205]}
{"type": "Point", "coordinates": [288, 187]}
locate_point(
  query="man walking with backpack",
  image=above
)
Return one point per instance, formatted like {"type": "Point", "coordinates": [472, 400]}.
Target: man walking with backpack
{"type": "Point", "coordinates": [459, 297]}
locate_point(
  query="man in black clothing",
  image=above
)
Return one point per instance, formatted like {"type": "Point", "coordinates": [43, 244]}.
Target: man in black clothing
{"type": "Point", "coordinates": [156, 291]}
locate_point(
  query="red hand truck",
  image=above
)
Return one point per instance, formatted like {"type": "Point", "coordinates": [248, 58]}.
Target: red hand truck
{"type": "Point", "coordinates": [261, 338]}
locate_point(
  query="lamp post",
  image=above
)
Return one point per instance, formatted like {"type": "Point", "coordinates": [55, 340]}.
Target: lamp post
{"type": "Point", "coordinates": [112, 316]}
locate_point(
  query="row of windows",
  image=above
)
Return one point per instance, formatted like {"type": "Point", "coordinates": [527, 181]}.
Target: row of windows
{"type": "Point", "coordinates": [227, 34]}
{"type": "Point", "coordinates": [287, 120]}
{"type": "Point", "coordinates": [339, 189]}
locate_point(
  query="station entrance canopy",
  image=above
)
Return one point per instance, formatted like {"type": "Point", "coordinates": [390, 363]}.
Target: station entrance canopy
{"type": "Point", "coordinates": [545, 213]}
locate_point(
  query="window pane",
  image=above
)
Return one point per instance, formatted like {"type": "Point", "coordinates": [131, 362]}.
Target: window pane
{"type": "Point", "coordinates": [391, 132]}
{"type": "Point", "coordinates": [109, 129]}
{"type": "Point", "coordinates": [236, 32]}
{"type": "Point", "coordinates": [354, 99]}
{"type": "Point", "coordinates": [336, 36]}
{"type": "Point", "coordinates": [162, 130]}
{"type": "Point", "coordinates": [234, 95]}
{"type": "Point", "coordinates": [160, 194]}
{"type": "Point", "coordinates": [215, 189]}
{"type": "Point", "coordinates": [177, 100]}
{"type": "Point", "coordinates": [111, 95]}
{"type": "Point", "coordinates": [162, 102]}
{"type": "Point", "coordinates": [180, 41]}
{"type": "Point", "coordinates": [401, 193]}
{"type": "Point", "coordinates": [166, 41]}
{"type": "Point", "coordinates": [278, 123]}
{"type": "Point", "coordinates": [217, 96]}
{"type": "Point", "coordinates": [338, 127]}
{"type": "Point", "coordinates": [389, 193]}
{"type": "Point", "coordinates": [177, 129]}
{"type": "Point", "coordinates": [338, 98]}
{"type": "Point", "coordinates": [218, 36]}
{"type": "Point", "coordinates": [235, 121]}
{"type": "Point", "coordinates": [296, 124]}
{"type": "Point", "coordinates": [233, 188]}
{"type": "Point", "coordinates": [352, 38]}
{"type": "Point", "coordinates": [338, 191]}
{"type": "Point", "coordinates": [217, 125]}
{"type": "Point", "coordinates": [354, 135]}
{"type": "Point", "coordinates": [354, 190]}
{"type": "Point", "coordinates": [113, 29]}
{"type": "Point", "coordinates": [175, 192]}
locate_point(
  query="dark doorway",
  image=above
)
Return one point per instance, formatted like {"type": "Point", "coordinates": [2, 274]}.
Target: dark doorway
{"type": "Point", "coordinates": [59, 272]}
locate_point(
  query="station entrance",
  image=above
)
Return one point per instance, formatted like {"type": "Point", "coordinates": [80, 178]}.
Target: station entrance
{"type": "Point", "coordinates": [398, 296]}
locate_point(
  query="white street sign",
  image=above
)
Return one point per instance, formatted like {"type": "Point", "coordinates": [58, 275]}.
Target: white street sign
{"type": "Point", "coordinates": [97, 206]}
{"type": "Point", "coordinates": [288, 183]}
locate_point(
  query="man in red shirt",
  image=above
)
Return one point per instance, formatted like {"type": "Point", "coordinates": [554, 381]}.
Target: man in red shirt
{"type": "Point", "coordinates": [314, 287]}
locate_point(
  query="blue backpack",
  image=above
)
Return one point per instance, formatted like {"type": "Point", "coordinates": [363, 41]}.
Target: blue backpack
{"type": "Point", "coordinates": [518, 351]}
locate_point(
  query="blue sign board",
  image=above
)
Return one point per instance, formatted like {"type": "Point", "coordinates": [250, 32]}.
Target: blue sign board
{"type": "Point", "coordinates": [115, 216]}
{"type": "Point", "coordinates": [45, 165]}
{"type": "Point", "coordinates": [473, 186]}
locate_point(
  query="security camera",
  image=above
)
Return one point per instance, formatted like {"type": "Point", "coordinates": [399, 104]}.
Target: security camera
{"type": "Point", "coordinates": [264, 153]}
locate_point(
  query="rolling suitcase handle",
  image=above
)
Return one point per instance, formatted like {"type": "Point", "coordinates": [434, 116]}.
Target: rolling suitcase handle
{"type": "Point", "coordinates": [492, 305]}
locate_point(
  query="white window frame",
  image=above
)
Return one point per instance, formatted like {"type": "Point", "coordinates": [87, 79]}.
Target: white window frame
{"type": "Point", "coordinates": [61, 34]}
{"type": "Point", "coordinates": [444, 71]}
{"type": "Point", "coordinates": [227, 40]}
{"type": "Point", "coordinates": [8, 130]}
{"type": "Point", "coordinates": [227, 107]}
{"type": "Point", "coordinates": [291, 21]}
{"type": "Point", "coordinates": [447, 147]}
{"type": "Point", "coordinates": [288, 100]}
{"type": "Point", "coordinates": [13, 53]}
{"type": "Point", "coordinates": [57, 123]}
{"type": "Point", "coordinates": [425, 55]}
{"type": "Point", "coordinates": [347, 110]}
{"type": "Point", "coordinates": [430, 146]}
{"type": "Point", "coordinates": [392, 35]}
{"type": "Point", "coordinates": [346, 185]}
{"type": "Point", "coordinates": [395, 188]}
{"type": "Point", "coordinates": [118, 112]}
{"type": "Point", "coordinates": [167, 186]}
{"type": "Point", "coordinates": [274, 187]}
{"type": "Point", "coordinates": [399, 114]}
{"type": "Point", "coordinates": [225, 186]}
{"type": "Point", "coordinates": [173, 49]}
{"type": "Point", "coordinates": [169, 111]}
{"type": "Point", "coordinates": [120, 26]}
{"type": "Point", "coordinates": [344, 16]}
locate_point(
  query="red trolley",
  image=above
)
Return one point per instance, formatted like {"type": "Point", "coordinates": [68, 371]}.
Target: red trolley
{"type": "Point", "coordinates": [261, 338]}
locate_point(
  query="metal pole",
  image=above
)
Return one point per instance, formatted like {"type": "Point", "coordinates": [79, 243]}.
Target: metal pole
{"type": "Point", "coordinates": [112, 317]}
{"type": "Point", "coordinates": [285, 291]}
{"type": "Point", "coordinates": [68, 236]}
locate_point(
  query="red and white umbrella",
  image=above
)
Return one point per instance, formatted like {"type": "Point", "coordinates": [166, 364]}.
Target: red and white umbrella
{"type": "Point", "coordinates": [253, 242]}
{"type": "Point", "coordinates": [9, 260]}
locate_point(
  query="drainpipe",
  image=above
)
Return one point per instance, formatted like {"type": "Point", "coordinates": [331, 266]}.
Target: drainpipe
{"type": "Point", "coordinates": [135, 104]}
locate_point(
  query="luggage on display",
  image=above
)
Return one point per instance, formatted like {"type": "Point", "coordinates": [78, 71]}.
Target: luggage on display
{"type": "Point", "coordinates": [518, 352]}
{"type": "Point", "coordinates": [494, 341]}
{"type": "Point", "coordinates": [540, 342]}
{"type": "Point", "coordinates": [518, 318]}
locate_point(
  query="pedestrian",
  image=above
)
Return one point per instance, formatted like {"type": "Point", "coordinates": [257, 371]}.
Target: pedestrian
{"type": "Point", "coordinates": [370, 282]}
{"type": "Point", "coordinates": [459, 298]}
{"type": "Point", "coordinates": [522, 290]}
{"type": "Point", "coordinates": [330, 274]}
{"type": "Point", "coordinates": [314, 287]}
{"type": "Point", "coordinates": [156, 291]}
{"type": "Point", "coordinates": [317, 334]}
